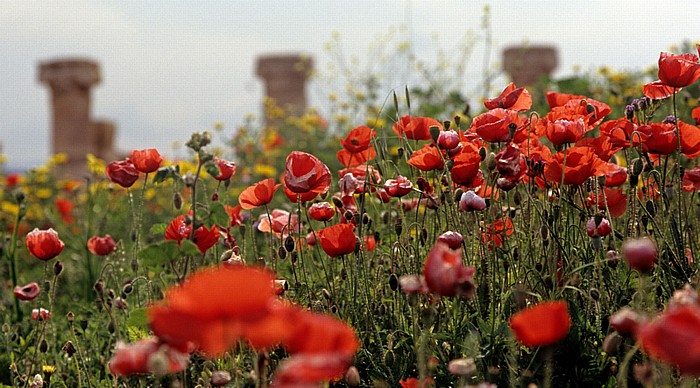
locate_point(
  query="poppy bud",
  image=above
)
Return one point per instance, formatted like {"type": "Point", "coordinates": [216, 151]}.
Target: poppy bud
{"type": "Point", "coordinates": [289, 243]}
{"type": "Point", "coordinates": [457, 118]}
{"type": "Point", "coordinates": [352, 376]}
{"type": "Point", "coordinates": [482, 153]}
{"type": "Point", "coordinates": [69, 349]}
{"type": "Point", "coordinates": [491, 161]}
{"type": "Point", "coordinates": [637, 167]}
{"type": "Point", "coordinates": [626, 321]}
{"type": "Point", "coordinates": [393, 282]}
{"type": "Point", "coordinates": [177, 200]}
{"type": "Point", "coordinates": [43, 346]}
{"type": "Point", "coordinates": [434, 132]}
{"type": "Point", "coordinates": [99, 286]}
{"type": "Point", "coordinates": [612, 342]}
{"type": "Point", "coordinates": [127, 289]}
{"type": "Point", "coordinates": [220, 378]}
{"type": "Point", "coordinates": [215, 197]}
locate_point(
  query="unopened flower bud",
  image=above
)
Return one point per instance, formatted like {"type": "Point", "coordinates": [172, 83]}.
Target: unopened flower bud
{"type": "Point", "coordinates": [177, 201]}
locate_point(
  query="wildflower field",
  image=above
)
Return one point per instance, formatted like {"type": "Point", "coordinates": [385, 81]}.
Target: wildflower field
{"type": "Point", "coordinates": [548, 240]}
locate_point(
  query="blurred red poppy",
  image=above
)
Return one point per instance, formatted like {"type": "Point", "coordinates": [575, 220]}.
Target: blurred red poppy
{"type": "Point", "coordinates": [657, 90]}
{"type": "Point", "coordinates": [44, 244]}
{"type": "Point", "coordinates": [640, 253]}
{"type": "Point", "coordinates": [226, 169]}
{"type": "Point", "coordinates": [212, 308]}
{"type": "Point", "coordinates": [122, 172]}
{"type": "Point", "coordinates": [453, 240]}
{"type": "Point", "coordinates": [101, 246]}
{"type": "Point", "coordinates": [445, 273]}
{"type": "Point", "coordinates": [674, 338]}
{"type": "Point", "coordinates": [147, 160]}
{"type": "Point", "coordinates": [500, 125]}
{"type": "Point", "coordinates": [28, 292]}
{"type": "Point", "coordinates": [415, 128]}
{"type": "Point", "coordinates": [308, 370]}
{"type": "Point", "coordinates": [695, 113]}
{"type": "Point", "coordinates": [12, 180]}
{"type": "Point", "coordinates": [321, 211]}
{"type": "Point", "coordinates": [369, 242]}
{"type": "Point", "coordinates": [398, 187]}
{"type": "Point", "coordinates": [283, 223]}
{"type": "Point", "coordinates": [258, 194]}
{"type": "Point", "coordinates": [135, 358]}
{"type": "Point", "coordinates": [466, 165]}
{"type": "Point", "coordinates": [41, 314]}
{"type": "Point", "coordinates": [581, 164]}
{"type": "Point", "coordinates": [413, 382]}
{"type": "Point", "coordinates": [678, 71]}
{"type": "Point", "coordinates": [358, 139]}
{"type": "Point", "coordinates": [543, 324]}
{"type": "Point", "coordinates": [65, 209]}
{"type": "Point", "coordinates": [497, 232]}
{"type": "Point", "coordinates": [427, 158]}
{"type": "Point", "coordinates": [305, 173]}
{"type": "Point", "coordinates": [691, 180]}
{"type": "Point", "coordinates": [337, 240]}
{"type": "Point", "coordinates": [517, 99]}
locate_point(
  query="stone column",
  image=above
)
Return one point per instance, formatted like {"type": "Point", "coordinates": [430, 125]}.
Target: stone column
{"type": "Point", "coordinates": [527, 64]}
{"type": "Point", "coordinates": [285, 79]}
{"type": "Point", "coordinates": [70, 81]}
{"type": "Point", "coordinates": [102, 139]}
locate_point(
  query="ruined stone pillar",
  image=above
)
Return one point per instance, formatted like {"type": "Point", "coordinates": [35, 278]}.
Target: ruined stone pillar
{"type": "Point", "coordinates": [70, 81]}
{"type": "Point", "coordinates": [285, 79]}
{"type": "Point", "coordinates": [527, 64]}
{"type": "Point", "coordinates": [102, 139]}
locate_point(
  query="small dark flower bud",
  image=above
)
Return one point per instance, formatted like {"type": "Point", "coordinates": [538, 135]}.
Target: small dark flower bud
{"type": "Point", "coordinates": [482, 153]}
{"type": "Point", "coordinates": [57, 268]}
{"type": "Point", "coordinates": [400, 152]}
{"type": "Point", "coordinates": [326, 294]}
{"type": "Point", "coordinates": [352, 376]}
{"type": "Point", "coordinates": [69, 349]}
{"type": "Point", "coordinates": [177, 201]}
{"type": "Point", "coordinates": [289, 243]}
{"type": "Point", "coordinates": [434, 132]}
{"type": "Point", "coordinates": [398, 227]}
{"type": "Point", "coordinates": [446, 124]}
{"type": "Point", "coordinates": [99, 286]}
{"type": "Point", "coordinates": [294, 257]}
{"type": "Point", "coordinates": [393, 282]}
{"type": "Point", "coordinates": [19, 196]}
{"type": "Point", "coordinates": [43, 346]}
{"type": "Point", "coordinates": [110, 328]}
{"type": "Point", "coordinates": [594, 294]}
{"type": "Point", "coordinates": [127, 289]}
{"type": "Point", "coordinates": [337, 202]}
{"type": "Point", "coordinates": [458, 119]}
{"type": "Point", "coordinates": [215, 197]}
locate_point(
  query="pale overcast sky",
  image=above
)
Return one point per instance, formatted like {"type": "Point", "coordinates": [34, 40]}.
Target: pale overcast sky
{"type": "Point", "coordinates": [172, 67]}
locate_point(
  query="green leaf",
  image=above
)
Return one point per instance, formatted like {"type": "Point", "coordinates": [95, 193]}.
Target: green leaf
{"type": "Point", "coordinates": [138, 319]}
{"type": "Point", "coordinates": [218, 215]}
{"type": "Point", "coordinates": [188, 248]}
{"type": "Point", "coordinates": [167, 172]}
{"type": "Point", "coordinates": [158, 229]}
{"type": "Point", "coordinates": [159, 253]}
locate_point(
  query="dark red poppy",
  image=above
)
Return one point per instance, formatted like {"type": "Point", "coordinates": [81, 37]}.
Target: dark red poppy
{"type": "Point", "coordinates": [12, 180]}
{"type": "Point", "coordinates": [398, 187]}
{"type": "Point", "coordinates": [453, 240]}
{"type": "Point", "coordinates": [570, 107]}
{"type": "Point", "coordinates": [135, 358]}
{"type": "Point", "coordinates": [445, 273]}
{"type": "Point", "coordinates": [415, 128]}
{"type": "Point", "coordinates": [306, 173]}
{"type": "Point", "coordinates": [448, 140]}
{"type": "Point", "coordinates": [147, 160]}
{"type": "Point", "coordinates": [678, 71]}
{"type": "Point", "coordinates": [581, 164]}
{"type": "Point", "coordinates": [615, 175]}
{"type": "Point", "coordinates": [41, 314]}
{"type": "Point", "coordinates": [599, 229]}
{"type": "Point", "coordinates": [101, 246]}
{"type": "Point", "coordinates": [543, 324]}
{"type": "Point", "coordinates": [358, 139]}
{"type": "Point", "coordinates": [413, 382]}
{"type": "Point", "coordinates": [28, 292]}
{"type": "Point", "coordinates": [44, 244]}
{"type": "Point", "coordinates": [258, 194]}
{"type": "Point", "coordinates": [337, 240]}
{"type": "Point", "coordinates": [178, 230]}
{"type": "Point", "coordinates": [65, 209]}
{"type": "Point", "coordinates": [226, 169]}
{"type": "Point", "coordinates": [470, 201]}
{"type": "Point", "coordinates": [122, 172]}
{"type": "Point", "coordinates": [673, 337]}
{"type": "Point", "coordinates": [309, 370]}
{"type": "Point", "coordinates": [640, 253]}
{"type": "Point", "coordinates": [321, 211]}
{"type": "Point", "coordinates": [658, 90]}
{"type": "Point", "coordinates": [511, 163]}
{"type": "Point", "coordinates": [500, 125]}
{"type": "Point", "coordinates": [213, 308]}
{"type": "Point", "coordinates": [564, 131]}
{"type": "Point", "coordinates": [517, 99]}
{"type": "Point", "coordinates": [691, 180]}
{"type": "Point", "coordinates": [427, 158]}
{"type": "Point", "coordinates": [626, 321]}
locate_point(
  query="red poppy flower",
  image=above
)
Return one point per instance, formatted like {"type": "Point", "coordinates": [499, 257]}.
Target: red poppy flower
{"type": "Point", "coordinates": [565, 131]}
{"type": "Point", "coordinates": [178, 230]}
{"type": "Point", "coordinates": [258, 194]}
{"type": "Point", "coordinates": [297, 197]}
{"type": "Point", "coordinates": [690, 139]}
{"type": "Point", "coordinates": [448, 140]}
{"type": "Point", "coordinates": [310, 370]}
{"type": "Point", "coordinates": [213, 308]}
{"type": "Point", "coordinates": [360, 174]}
{"type": "Point", "coordinates": [41, 314]}
{"type": "Point", "coordinates": [674, 338]}
{"type": "Point", "coordinates": [453, 240]}
{"type": "Point", "coordinates": [570, 107]}
{"type": "Point", "coordinates": [320, 334]}
{"type": "Point", "coordinates": [615, 175]}
{"type": "Point", "coordinates": [470, 201]}
{"type": "Point", "coordinates": [678, 71]}
{"type": "Point", "coordinates": [695, 113]}
{"type": "Point", "coordinates": [337, 240]}
{"type": "Point", "coordinates": [658, 90]}
{"type": "Point", "coordinates": [358, 139]}
{"type": "Point", "coordinates": [122, 172]}
{"type": "Point", "coordinates": [349, 159]}
{"type": "Point", "coordinates": [602, 229]}
{"type": "Point", "coordinates": [581, 164]}
{"type": "Point", "coordinates": [466, 165]}
{"type": "Point", "coordinates": [306, 173]}
{"type": "Point", "coordinates": [369, 242]}
{"type": "Point", "coordinates": [415, 128]}
{"type": "Point", "coordinates": [44, 244]}
{"type": "Point", "coordinates": [321, 211]}
{"type": "Point", "coordinates": [206, 238]}
{"type": "Point", "coordinates": [101, 246]}
{"type": "Point", "coordinates": [511, 163]}
{"type": "Point", "coordinates": [413, 382]}
{"type": "Point", "coordinates": [427, 158]}
{"type": "Point", "coordinates": [445, 273]}
{"type": "Point", "coordinates": [398, 187]}
{"type": "Point", "coordinates": [12, 180]}
{"type": "Point", "coordinates": [499, 125]}
{"type": "Point", "coordinates": [619, 132]}
{"type": "Point", "coordinates": [541, 325]}
{"type": "Point", "coordinates": [226, 169]}
{"type": "Point", "coordinates": [65, 209]}
{"type": "Point", "coordinates": [234, 214]}
{"type": "Point", "coordinates": [28, 292]}
{"type": "Point", "coordinates": [147, 160]}
{"type": "Point", "coordinates": [511, 98]}
{"type": "Point", "coordinates": [601, 145]}
{"type": "Point", "coordinates": [611, 199]}
{"type": "Point", "coordinates": [497, 232]}
{"type": "Point", "coordinates": [691, 180]}
{"type": "Point", "coordinates": [135, 358]}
